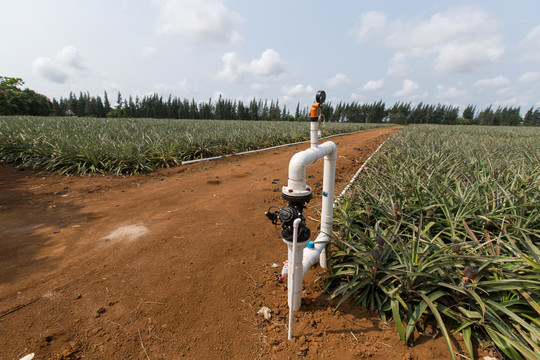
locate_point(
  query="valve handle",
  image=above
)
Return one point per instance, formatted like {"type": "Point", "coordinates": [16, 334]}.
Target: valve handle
{"type": "Point", "coordinates": [320, 97]}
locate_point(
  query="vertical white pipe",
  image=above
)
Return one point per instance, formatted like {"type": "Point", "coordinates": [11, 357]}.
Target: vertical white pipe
{"type": "Point", "coordinates": [314, 134]}
{"type": "Point", "coordinates": [327, 213]}
{"type": "Point", "coordinates": [294, 281]}
{"type": "Point", "coordinates": [295, 275]}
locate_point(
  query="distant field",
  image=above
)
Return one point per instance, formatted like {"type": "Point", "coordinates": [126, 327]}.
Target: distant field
{"type": "Point", "coordinates": [132, 146]}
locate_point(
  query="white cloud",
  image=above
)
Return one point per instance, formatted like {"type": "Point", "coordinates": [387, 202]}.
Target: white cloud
{"type": "Point", "coordinates": [217, 94]}
{"type": "Point", "coordinates": [461, 39]}
{"type": "Point", "coordinates": [198, 20]}
{"type": "Point", "coordinates": [513, 101]}
{"type": "Point", "coordinates": [267, 67]}
{"type": "Point", "coordinates": [149, 52]}
{"type": "Point", "coordinates": [493, 82]}
{"type": "Point", "coordinates": [258, 87]}
{"type": "Point", "coordinates": [529, 77]}
{"type": "Point", "coordinates": [371, 23]}
{"type": "Point", "coordinates": [179, 88]}
{"type": "Point", "coordinates": [450, 93]}
{"type": "Point", "coordinates": [398, 65]}
{"type": "Point", "coordinates": [46, 68]}
{"type": "Point", "coordinates": [409, 88]}
{"type": "Point", "coordinates": [531, 43]}
{"type": "Point", "coordinates": [111, 86]}
{"type": "Point", "coordinates": [410, 91]}
{"type": "Point", "coordinates": [70, 55]}
{"type": "Point", "coordinates": [373, 85]}
{"type": "Point", "coordinates": [230, 68]}
{"type": "Point", "coordinates": [460, 23]}
{"type": "Point", "coordinates": [357, 97]}
{"type": "Point", "coordinates": [64, 64]}
{"type": "Point", "coordinates": [298, 90]}
{"type": "Point", "coordinates": [463, 57]}
{"type": "Point", "coordinates": [269, 64]}
{"type": "Point", "coordinates": [533, 35]}
{"type": "Point", "coordinates": [339, 79]}
{"type": "Point", "coordinates": [507, 91]}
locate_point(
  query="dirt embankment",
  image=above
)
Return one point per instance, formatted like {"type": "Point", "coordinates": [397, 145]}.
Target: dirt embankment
{"type": "Point", "coordinates": [173, 264]}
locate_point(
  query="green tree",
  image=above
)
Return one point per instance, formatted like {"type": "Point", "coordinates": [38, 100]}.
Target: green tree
{"type": "Point", "coordinates": [485, 117]}
{"type": "Point", "coordinates": [15, 101]}
{"type": "Point", "coordinates": [468, 113]}
{"type": "Point", "coordinates": [106, 103]}
{"type": "Point", "coordinates": [532, 117]}
{"type": "Point", "coordinates": [10, 83]}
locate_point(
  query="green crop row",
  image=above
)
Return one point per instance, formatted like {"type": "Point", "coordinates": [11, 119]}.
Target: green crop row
{"type": "Point", "coordinates": [442, 230]}
{"type": "Point", "coordinates": [133, 146]}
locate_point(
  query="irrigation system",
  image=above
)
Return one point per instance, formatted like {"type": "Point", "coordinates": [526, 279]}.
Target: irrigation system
{"type": "Point", "coordinates": [302, 252]}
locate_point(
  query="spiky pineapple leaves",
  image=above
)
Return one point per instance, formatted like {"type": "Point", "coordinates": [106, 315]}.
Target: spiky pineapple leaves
{"type": "Point", "coordinates": [444, 226]}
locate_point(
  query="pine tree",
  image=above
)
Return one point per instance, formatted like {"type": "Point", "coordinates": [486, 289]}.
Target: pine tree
{"type": "Point", "coordinates": [119, 101]}
{"type": "Point", "coordinates": [106, 103]}
{"type": "Point", "coordinates": [468, 113]}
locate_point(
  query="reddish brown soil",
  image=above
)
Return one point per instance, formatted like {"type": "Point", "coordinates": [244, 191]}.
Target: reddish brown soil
{"type": "Point", "coordinates": [173, 264]}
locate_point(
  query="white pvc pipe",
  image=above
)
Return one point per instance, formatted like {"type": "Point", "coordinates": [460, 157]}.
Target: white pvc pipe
{"type": "Point", "coordinates": [318, 253]}
{"type": "Point", "coordinates": [299, 162]}
{"type": "Point", "coordinates": [327, 212]}
{"type": "Point", "coordinates": [305, 258]}
{"type": "Point", "coordinates": [312, 256]}
{"type": "Point", "coordinates": [314, 134]}
{"type": "Point", "coordinates": [294, 280]}
{"type": "Point", "coordinates": [295, 288]}
{"type": "Point", "coordinates": [297, 183]}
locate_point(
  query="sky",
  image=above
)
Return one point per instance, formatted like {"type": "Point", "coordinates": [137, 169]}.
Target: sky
{"type": "Point", "coordinates": [436, 52]}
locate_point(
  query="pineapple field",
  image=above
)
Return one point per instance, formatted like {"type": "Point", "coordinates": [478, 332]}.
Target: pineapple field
{"type": "Point", "coordinates": [435, 250]}
{"type": "Point", "coordinates": [133, 146]}
{"type": "Point", "coordinates": [444, 227]}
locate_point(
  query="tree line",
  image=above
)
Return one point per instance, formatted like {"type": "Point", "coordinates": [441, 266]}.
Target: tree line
{"type": "Point", "coordinates": [155, 106]}
{"type": "Point", "coordinates": [16, 101]}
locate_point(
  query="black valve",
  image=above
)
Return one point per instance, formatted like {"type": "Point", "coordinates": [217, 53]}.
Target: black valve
{"type": "Point", "coordinates": [285, 217]}
{"type": "Point", "coordinates": [288, 214]}
{"type": "Point", "coordinates": [273, 216]}
{"type": "Point", "coordinates": [320, 97]}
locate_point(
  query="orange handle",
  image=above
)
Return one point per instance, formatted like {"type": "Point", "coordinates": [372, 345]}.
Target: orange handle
{"type": "Point", "coordinates": [314, 110]}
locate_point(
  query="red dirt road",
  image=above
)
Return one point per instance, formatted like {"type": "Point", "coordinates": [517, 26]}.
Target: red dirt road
{"type": "Point", "coordinates": [173, 264]}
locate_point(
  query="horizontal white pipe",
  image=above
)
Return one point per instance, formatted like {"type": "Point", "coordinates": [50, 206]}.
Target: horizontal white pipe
{"type": "Point", "coordinates": [312, 256]}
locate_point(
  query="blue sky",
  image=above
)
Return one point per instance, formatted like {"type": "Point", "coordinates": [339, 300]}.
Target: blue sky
{"type": "Point", "coordinates": [449, 52]}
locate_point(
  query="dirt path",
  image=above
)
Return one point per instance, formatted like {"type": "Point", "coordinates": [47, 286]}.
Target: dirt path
{"type": "Point", "coordinates": [173, 264]}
